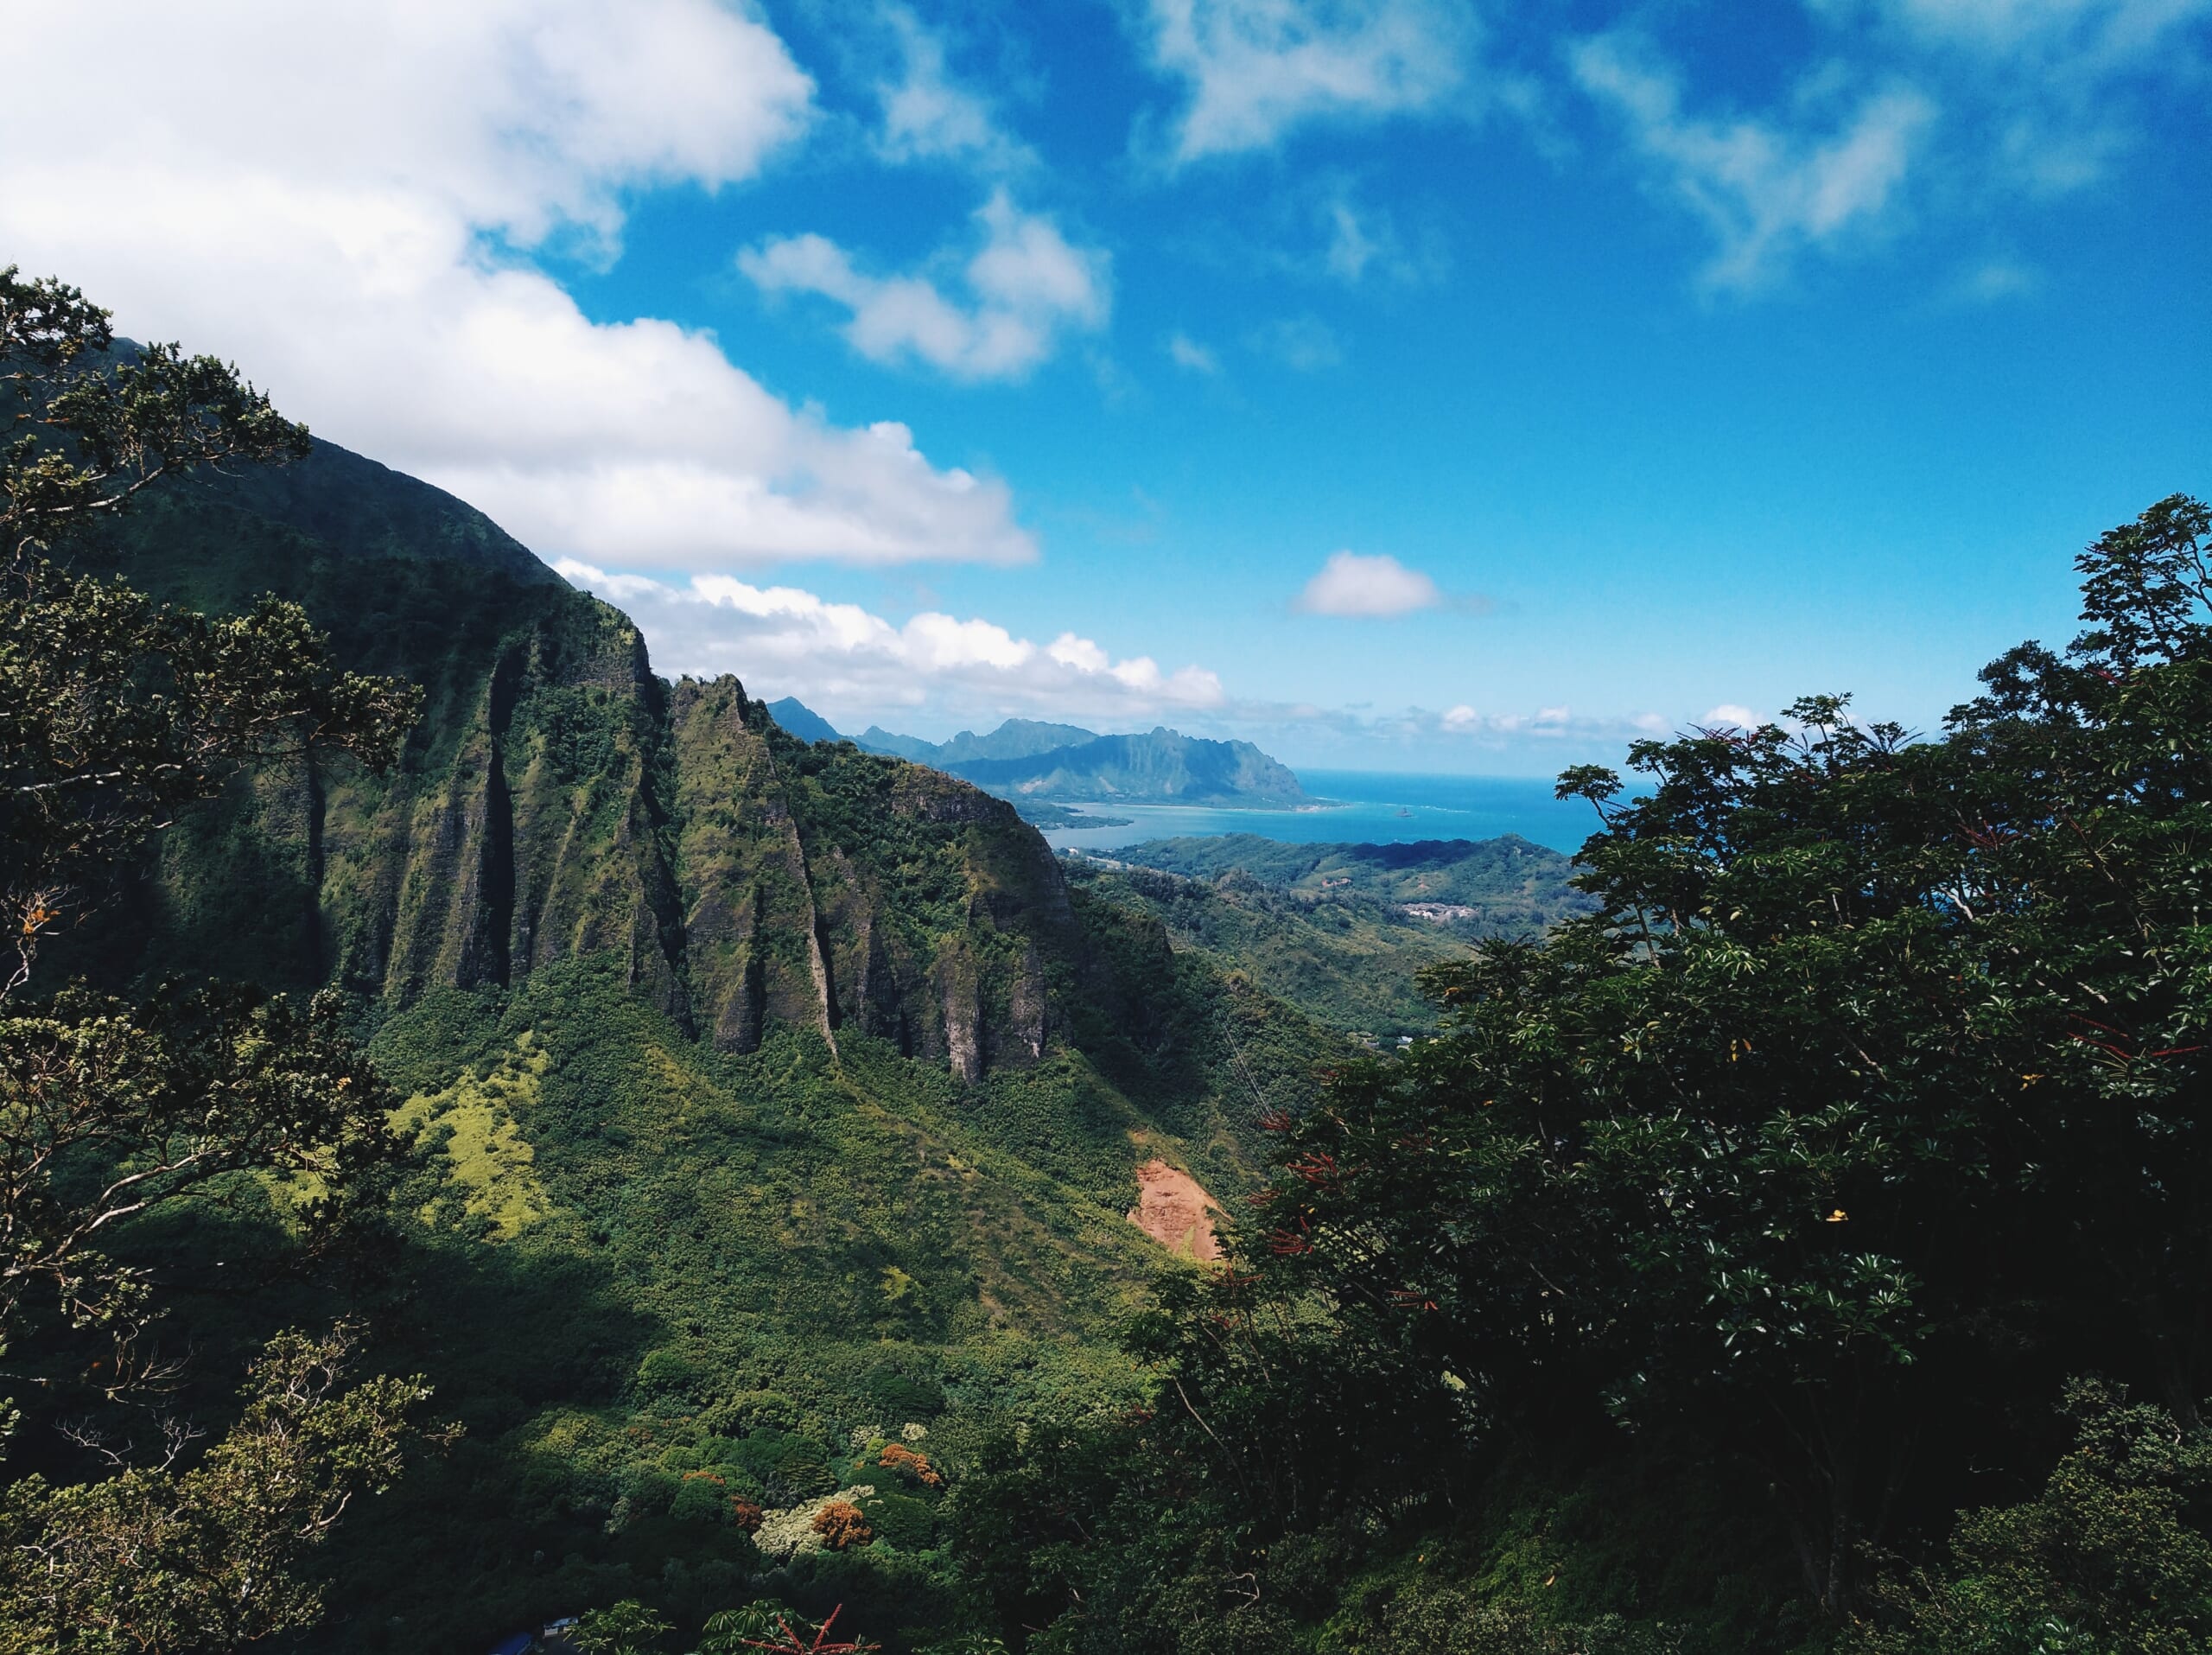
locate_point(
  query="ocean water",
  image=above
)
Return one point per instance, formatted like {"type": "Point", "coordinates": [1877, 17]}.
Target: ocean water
{"type": "Point", "coordinates": [1366, 807]}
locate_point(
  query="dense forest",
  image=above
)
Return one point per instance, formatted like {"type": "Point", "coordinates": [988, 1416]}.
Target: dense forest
{"type": "Point", "coordinates": [493, 1137]}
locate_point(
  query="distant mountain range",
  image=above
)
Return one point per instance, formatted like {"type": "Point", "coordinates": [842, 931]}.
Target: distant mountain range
{"type": "Point", "coordinates": [1024, 760]}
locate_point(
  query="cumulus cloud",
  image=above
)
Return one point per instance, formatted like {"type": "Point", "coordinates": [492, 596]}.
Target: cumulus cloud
{"type": "Point", "coordinates": [844, 660]}
{"type": "Point", "coordinates": [1257, 68]}
{"type": "Point", "coordinates": [1350, 584]}
{"type": "Point", "coordinates": [1766, 189]}
{"type": "Point", "coordinates": [346, 199]}
{"type": "Point", "coordinates": [1028, 286]}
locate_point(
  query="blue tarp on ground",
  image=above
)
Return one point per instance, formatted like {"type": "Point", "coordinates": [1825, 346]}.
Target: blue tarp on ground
{"type": "Point", "coordinates": [518, 1645]}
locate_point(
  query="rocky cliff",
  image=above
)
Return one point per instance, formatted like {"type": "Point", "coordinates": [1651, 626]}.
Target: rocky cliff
{"type": "Point", "coordinates": [559, 800]}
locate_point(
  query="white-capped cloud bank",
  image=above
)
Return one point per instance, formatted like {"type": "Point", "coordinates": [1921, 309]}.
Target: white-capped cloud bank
{"type": "Point", "coordinates": [346, 199]}
{"type": "Point", "coordinates": [846, 661]}
{"type": "Point", "coordinates": [1356, 584]}
{"type": "Point", "coordinates": [1029, 286]}
{"type": "Point", "coordinates": [1257, 68]}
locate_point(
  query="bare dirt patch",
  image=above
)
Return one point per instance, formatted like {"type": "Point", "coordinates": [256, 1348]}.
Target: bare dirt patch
{"type": "Point", "coordinates": [1174, 1210]}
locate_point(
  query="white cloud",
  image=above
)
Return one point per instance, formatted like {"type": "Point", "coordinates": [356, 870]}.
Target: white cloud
{"type": "Point", "coordinates": [1257, 68]}
{"type": "Point", "coordinates": [1546, 724]}
{"type": "Point", "coordinates": [1364, 241]}
{"type": "Point", "coordinates": [845, 661]}
{"type": "Point", "coordinates": [2096, 29]}
{"type": "Point", "coordinates": [1996, 279]}
{"type": "Point", "coordinates": [1304, 343]}
{"type": "Point", "coordinates": [1187, 353]}
{"type": "Point", "coordinates": [1351, 248]}
{"type": "Point", "coordinates": [1959, 106]}
{"type": "Point", "coordinates": [1350, 583]}
{"type": "Point", "coordinates": [1729, 715]}
{"type": "Point", "coordinates": [2051, 87]}
{"type": "Point", "coordinates": [343, 198]}
{"type": "Point", "coordinates": [927, 116]}
{"type": "Point", "coordinates": [1766, 191]}
{"type": "Point", "coordinates": [1029, 286]}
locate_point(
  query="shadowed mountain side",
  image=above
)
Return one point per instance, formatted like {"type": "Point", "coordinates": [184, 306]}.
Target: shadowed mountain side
{"type": "Point", "coordinates": [795, 717]}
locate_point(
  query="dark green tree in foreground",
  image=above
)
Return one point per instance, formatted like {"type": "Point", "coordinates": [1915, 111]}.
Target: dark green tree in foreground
{"type": "Point", "coordinates": [116, 714]}
{"type": "Point", "coordinates": [1882, 1065]}
{"type": "Point", "coordinates": [1870, 1105]}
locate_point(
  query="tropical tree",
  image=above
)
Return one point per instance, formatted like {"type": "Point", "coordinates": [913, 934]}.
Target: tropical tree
{"type": "Point", "coordinates": [1875, 1089]}
{"type": "Point", "coordinates": [164, 1560]}
{"type": "Point", "coordinates": [624, 1628]}
{"type": "Point", "coordinates": [116, 714]}
{"type": "Point", "coordinates": [729, 1630]}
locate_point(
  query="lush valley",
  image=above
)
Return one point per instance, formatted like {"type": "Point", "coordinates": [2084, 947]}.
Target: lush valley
{"type": "Point", "coordinates": [1343, 931]}
{"type": "Point", "coordinates": [1508, 887]}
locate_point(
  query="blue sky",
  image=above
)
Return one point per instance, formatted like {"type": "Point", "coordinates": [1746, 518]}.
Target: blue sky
{"type": "Point", "coordinates": [1396, 383]}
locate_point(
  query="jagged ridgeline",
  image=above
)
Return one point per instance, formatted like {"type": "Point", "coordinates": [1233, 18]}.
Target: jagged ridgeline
{"type": "Point", "coordinates": [559, 802]}
{"type": "Point", "coordinates": [762, 1094]}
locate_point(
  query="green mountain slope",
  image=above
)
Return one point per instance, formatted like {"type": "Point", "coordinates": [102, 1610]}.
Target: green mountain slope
{"type": "Point", "coordinates": [760, 1093]}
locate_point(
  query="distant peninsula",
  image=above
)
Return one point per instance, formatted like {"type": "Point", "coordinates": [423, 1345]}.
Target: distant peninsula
{"type": "Point", "coordinates": [1035, 764]}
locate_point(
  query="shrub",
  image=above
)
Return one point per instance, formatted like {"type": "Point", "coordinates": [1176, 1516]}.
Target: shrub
{"type": "Point", "coordinates": [802, 1471]}
{"type": "Point", "coordinates": [702, 1499]}
{"type": "Point", "coordinates": [900, 1458]}
{"type": "Point", "coordinates": [666, 1371]}
{"type": "Point", "coordinates": [906, 1523]}
{"type": "Point", "coordinates": [842, 1526]}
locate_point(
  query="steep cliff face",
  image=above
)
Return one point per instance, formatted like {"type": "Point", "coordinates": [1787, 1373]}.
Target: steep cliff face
{"type": "Point", "coordinates": [560, 800]}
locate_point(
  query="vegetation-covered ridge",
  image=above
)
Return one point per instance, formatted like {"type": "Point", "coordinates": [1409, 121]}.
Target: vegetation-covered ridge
{"type": "Point", "coordinates": [558, 800]}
